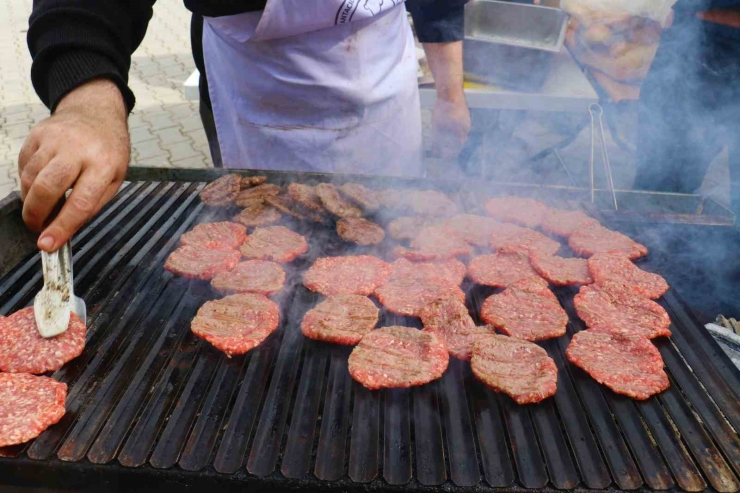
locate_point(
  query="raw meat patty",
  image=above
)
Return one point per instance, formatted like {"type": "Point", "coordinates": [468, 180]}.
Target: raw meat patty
{"type": "Point", "coordinates": [513, 236]}
{"type": "Point", "coordinates": [398, 357]}
{"type": "Point", "coordinates": [451, 269]}
{"type": "Point", "coordinates": [252, 181]}
{"type": "Point", "coordinates": [561, 271]}
{"type": "Point", "coordinates": [253, 276]}
{"type": "Point", "coordinates": [391, 198]}
{"type": "Point", "coordinates": [215, 236]}
{"type": "Point", "coordinates": [519, 210]}
{"type": "Point", "coordinates": [450, 320]}
{"type": "Point", "coordinates": [617, 267]}
{"type": "Point", "coordinates": [434, 243]}
{"type": "Point", "coordinates": [361, 196]}
{"type": "Point", "coordinates": [236, 323]}
{"type": "Point", "coordinates": [28, 405]}
{"type": "Point", "coordinates": [500, 269]}
{"type": "Point", "coordinates": [198, 263]}
{"type": "Point", "coordinates": [361, 274]}
{"type": "Point", "coordinates": [526, 310]}
{"type": "Point", "coordinates": [408, 296]}
{"type": "Point", "coordinates": [565, 223]}
{"type": "Point", "coordinates": [408, 228]}
{"type": "Point", "coordinates": [476, 230]}
{"type": "Point", "coordinates": [258, 214]}
{"type": "Point", "coordinates": [221, 192]}
{"type": "Point", "coordinates": [597, 239]}
{"type": "Point", "coordinates": [359, 230]}
{"type": "Point", "coordinates": [335, 203]}
{"type": "Point", "coordinates": [306, 196]}
{"type": "Point", "coordinates": [615, 307]}
{"type": "Point", "coordinates": [257, 194]}
{"type": "Point", "coordinates": [23, 350]}
{"type": "Point", "coordinates": [276, 243]}
{"type": "Point", "coordinates": [429, 203]}
{"type": "Point", "coordinates": [520, 369]}
{"type": "Point", "coordinates": [341, 319]}
{"type": "Point", "coordinates": [629, 365]}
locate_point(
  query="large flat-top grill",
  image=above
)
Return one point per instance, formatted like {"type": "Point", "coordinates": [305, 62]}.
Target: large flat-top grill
{"type": "Point", "coordinates": [151, 406]}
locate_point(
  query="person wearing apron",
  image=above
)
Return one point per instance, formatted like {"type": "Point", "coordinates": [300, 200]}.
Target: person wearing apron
{"type": "Point", "coordinates": [297, 85]}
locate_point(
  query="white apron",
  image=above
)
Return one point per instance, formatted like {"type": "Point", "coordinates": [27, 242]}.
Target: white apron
{"type": "Point", "coordinates": [316, 85]}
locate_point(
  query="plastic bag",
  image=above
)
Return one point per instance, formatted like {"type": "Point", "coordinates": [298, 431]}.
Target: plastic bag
{"type": "Point", "coordinates": [616, 10]}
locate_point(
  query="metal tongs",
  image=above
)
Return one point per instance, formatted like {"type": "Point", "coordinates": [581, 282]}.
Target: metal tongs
{"type": "Point", "coordinates": [596, 112]}
{"type": "Point", "coordinates": [53, 304]}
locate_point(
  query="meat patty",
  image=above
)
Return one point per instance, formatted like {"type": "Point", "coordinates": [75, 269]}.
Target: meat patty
{"type": "Point", "coordinates": [28, 406]}
{"type": "Point", "coordinates": [221, 192]}
{"type": "Point", "coordinates": [253, 276]}
{"type": "Point", "coordinates": [257, 214]}
{"type": "Point", "coordinates": [215, 236]}
{"type": "Point", "coordinates": [253, 181]}
{"type": "Point", "coordinates": [617, 267]}
{"type": "Point", "coordinates": [257, 194]}
{"type": "Point", "coordinates": [287, 205]}
{"type": "Point", "coordinates": [615, 307]}
{"type": "Point", "coordinates": [476, 230]}
{"type": "Point", "coordinates": [501, 269]}
{"type": "Point", "coordinates": [561, 271]}
{"type": "Point", "coordinates": [526, 310]}
{"type": "Point", "coordinates": [306, 196]}
{"type": "Point", "coordinates": [429, 203]}
{"type": "Point", "coordinates": [391, 198]}
{"type": "Point", "coordinates": [199, 263]}
{"type": "Point", "coordinates": [237, 323]}
{"type": "Point", "coordinates": [359, 230]}
{"type": "Point", "coordinates": [408, 296]}
{"type": "Point", "coordinates": [335, 203]}
{"type": "Point", "coordinates": [565, 223]}
{"type": "Point", "coordinates": [408, 227]}
{"type": "Point", "coordinates": [398, 357]}
{"type": "Point", "coordinates": [23, 350]}
{"type": "Point", "coordinates": [451, 269]}
{"type": "Point", "coordinates": [434, 243]}
{"type": "Point", "coordinates": [597, 239]}
{"type": "Point", "coordinates": [341, 319]}
{"type": "Point", "coordinates": [513, 236]}
{"type": "Point", "coordinates": [520, 369]}
{"type": "Point", "coordinates": [360, 274]}
{"type": "Point", "coordinates": [361, 196]}
{"type": "Point", "coordinates": [629, 365]}
{"type": "Point", "coordinates": [519, 210]}
{"type": "Point", "coordinates": [449, 318]}
{"type": "Point", "coordinates": [276, 243]}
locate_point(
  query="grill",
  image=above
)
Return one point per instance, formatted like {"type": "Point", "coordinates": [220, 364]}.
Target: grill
{"type": "Point", "coordinates": [150, 406]}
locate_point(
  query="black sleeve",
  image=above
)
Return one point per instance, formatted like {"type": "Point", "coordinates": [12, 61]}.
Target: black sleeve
{"type": "Point", "coordinates": [74, 41]}
{"type": "Point", "coordinates": [438, 21]}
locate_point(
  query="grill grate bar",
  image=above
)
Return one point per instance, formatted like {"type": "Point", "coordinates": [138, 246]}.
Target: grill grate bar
{"type": "Point", "coordinates": [529, 464]}
{"type": "Point", "coordinates": [560, 465]}
{"type": "Point", "coordinates": [428, 441]}
{"type": "Point", "coordinates": [497, 466]}
{"type": "Point", "coordinates": [364, 458]}
{"type": "Point", "coordinates": [397, 437]}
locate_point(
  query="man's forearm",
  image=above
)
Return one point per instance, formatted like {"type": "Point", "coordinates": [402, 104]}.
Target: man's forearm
{"type": "Point", "coordinates": [446, 62]}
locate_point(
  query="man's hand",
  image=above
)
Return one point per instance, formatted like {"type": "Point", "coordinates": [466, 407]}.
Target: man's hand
{"type": "Point", "coordinates": [83, 145]}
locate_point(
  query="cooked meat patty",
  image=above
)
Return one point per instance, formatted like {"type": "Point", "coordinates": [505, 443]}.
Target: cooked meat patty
{"type": "Point", "coordinates": [519, 210]}
{"type": "Point", "coordinates": [615, 307]}
{"type": "Point", "coordinates": [629, 365]}
{"type": "Point", "coordinates": [520, 369]}
{"type": "Point", "coordinates": [500, 269]}
{"type": "Point", "coordinates": [23, 350]}
{"type": "Point", "coordinates": [451, 269]}
{"type": "Point", "coordinates": [526, 310]}
{"type": "Point", "coordinates": [215, 236]}
{"type": "Point", "coordinates": [221, 192]}
{"type": "Point", "coordinates": [408, 296]}
{"type": "Point", "coordinates": [335, 203]}
{"type": "Point", "coordinates": [199, 263]}
{"type": "Point", "coordinates": [565, 223]}
{"type": "Point", "coordinates": [617, 267]}
{"type": "Point", "coordinates": [359, 230]}
{"type": "Point", "coordinates": [434, 243]}
{"type": "Point", "coordinates": [252, 181]}
{"type": "Point", "coordinates": [398, 357]}
{"type": "Point", "coordinates": [360, 274]}
{"type": "Point", "coordinates": [361, 196]}
{"type": "Point", "coordinates": [28, 406]}
{"type": "Point", "coordinates": [407, 228]}
{"type": "Point", "coordinates": [237, 323]}
{"type": "Point", "coordinates": [257, 194]}
{"type": "Point", "coordinates": [597, 239]}
{"type": "Point", "coordinates": [306, 196]}
{"type": "Point", "coordinates": [561, 271]}
{"type": "Point", "coordinates": [512, 236]}
{"type": "Point", "coordinates": [341, 319]}
{"type": "Point", "coordinates": [276, 243]}
{"type": "Point", "coordinates": [476, 230]}
{"type": "Point", "coordinates": [253, 276]}
{"type": "Point", "coordinates": [450, 320]}
{"type": "Point", "coordinates": [258, 214]}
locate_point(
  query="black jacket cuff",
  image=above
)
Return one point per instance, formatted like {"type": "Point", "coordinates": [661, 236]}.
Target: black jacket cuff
{"type": "Point", "coordinates": [438, 21]}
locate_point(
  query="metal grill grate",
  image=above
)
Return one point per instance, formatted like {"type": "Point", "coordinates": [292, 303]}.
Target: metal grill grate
{"type": "Point", "coordinates": [149, 404]}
